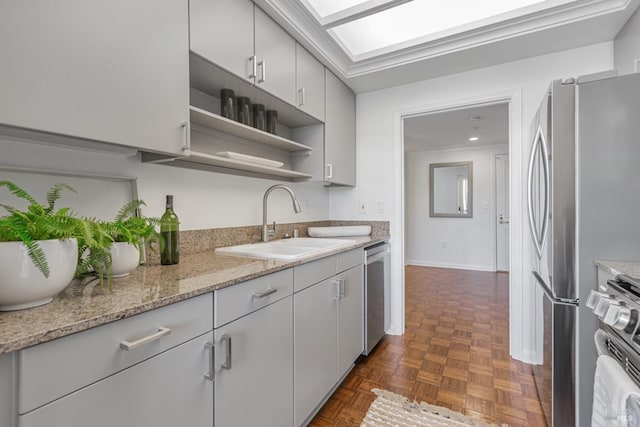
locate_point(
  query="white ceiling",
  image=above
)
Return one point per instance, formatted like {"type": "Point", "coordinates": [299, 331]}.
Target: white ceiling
{"type": "Point", "coordinates": [452, 129]}
{"type": "Point", "coordinates": [561, 25]}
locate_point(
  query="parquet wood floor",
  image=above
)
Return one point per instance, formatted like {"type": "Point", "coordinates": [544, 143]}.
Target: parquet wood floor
{"type": "Point", "coordinates": [454, 353]}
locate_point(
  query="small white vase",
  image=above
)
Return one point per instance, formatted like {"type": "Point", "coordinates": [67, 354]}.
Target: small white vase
{"type": "Point", "coordinates": [22, 284]}
{"type": "Point", "coordinates": [125, 258]}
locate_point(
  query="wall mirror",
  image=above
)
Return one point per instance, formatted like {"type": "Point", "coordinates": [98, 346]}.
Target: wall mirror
{"type": "Point", "coordinates": [451, 190]}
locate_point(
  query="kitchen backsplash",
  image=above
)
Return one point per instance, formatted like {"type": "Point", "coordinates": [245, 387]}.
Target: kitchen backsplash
{"type": "Point", "coordinates": [193, 241]}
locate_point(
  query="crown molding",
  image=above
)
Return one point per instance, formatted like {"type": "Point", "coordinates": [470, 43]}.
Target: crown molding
{"type": "Point", "coordinates": [495, 30]}
{"type": "Point", "coordinates": [601, 19]}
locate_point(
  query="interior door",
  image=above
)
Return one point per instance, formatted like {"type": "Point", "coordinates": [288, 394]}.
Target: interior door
{"type": "Point", "coordinates": [502, 212]}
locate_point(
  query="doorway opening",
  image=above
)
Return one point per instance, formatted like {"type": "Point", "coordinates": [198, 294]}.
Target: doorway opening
{"type": "Point", "coordinates": [436, 234]}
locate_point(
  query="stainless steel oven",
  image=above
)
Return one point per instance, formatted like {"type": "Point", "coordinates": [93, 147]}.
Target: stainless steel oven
{"type": "Point", "coordinates": [376, 287]}
{"type": "Point", "coordinates": [617, 386]}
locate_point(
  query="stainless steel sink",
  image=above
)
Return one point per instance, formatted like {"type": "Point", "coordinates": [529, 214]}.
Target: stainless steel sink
{"type": "Point", "coordinates": [286, 249]}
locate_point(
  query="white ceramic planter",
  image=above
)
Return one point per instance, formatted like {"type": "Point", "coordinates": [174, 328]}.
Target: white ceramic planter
{"type": "Point", "coordinates": [22, 285]}
{"type": "Point", "coordinates": [125, 258]}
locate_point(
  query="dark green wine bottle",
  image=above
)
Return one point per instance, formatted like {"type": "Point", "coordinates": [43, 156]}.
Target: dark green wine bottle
{"type": "Point", "coordinates": [169, 230]}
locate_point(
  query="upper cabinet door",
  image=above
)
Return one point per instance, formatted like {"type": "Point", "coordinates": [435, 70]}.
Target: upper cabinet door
{"type": "Point", "coordinates": [276, 58]}
{"type": "Point", "coordinates": [309, 83]}
{"type": "Point", "coordinates": [222, 32]}
{"type": "Point", "coordinates": [114, 71]}
{"type": "Point", "coordinates": [339, 133]}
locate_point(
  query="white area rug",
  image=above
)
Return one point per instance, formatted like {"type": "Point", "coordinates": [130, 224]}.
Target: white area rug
{"type": "Point", "coordinates": [392, 410]}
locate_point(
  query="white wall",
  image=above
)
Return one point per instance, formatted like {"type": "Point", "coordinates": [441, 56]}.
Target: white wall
{"type": "Point", "coordinates": [467, 243]}
{"type": "Point", "coordinates": [627, 45]}
{"type": "Point", "coordinates": [201, 199]}
{"type": "Point", "coordinates": [380, 157]}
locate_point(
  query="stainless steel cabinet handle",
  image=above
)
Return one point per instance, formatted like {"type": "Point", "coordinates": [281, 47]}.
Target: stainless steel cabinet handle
{"type": "Point", "coordinates": [162, 332]}
{"type": "Point", "coordinates": [342, 292]}
{"type": "Point", "coordinates": [300, 97]}
{"type": "Point", "coordinates": [329, 171]}
{"type": "Point", "coordinates": [186, 140]}
{"type": "Point", "coordinates": [263, 72]}
{"type": "Point", "coordinates": [227, 358]}
{"type": "Point", "coordinates": [336, 290]}
{"type": "Point", "coordinates": [211, 376]}
{"type": "Point", "coordinates": [254, 67]}
{"type": "Point", "coordinates": [265, 293]}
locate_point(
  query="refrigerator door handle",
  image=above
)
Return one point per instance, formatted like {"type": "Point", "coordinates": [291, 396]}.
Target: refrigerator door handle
{"type": "Point", "coordinates": [563, 301]}
{"type": "Point", "coordinates": [539, 236]}
{"type": "Point", "coordinates": [547, 190]}
{"type": "Point", "coordinates": [532, 224]}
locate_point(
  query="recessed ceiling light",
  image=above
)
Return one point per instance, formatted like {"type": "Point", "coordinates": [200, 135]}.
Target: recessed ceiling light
{"type": "Point", "coordinates": [474, 139]}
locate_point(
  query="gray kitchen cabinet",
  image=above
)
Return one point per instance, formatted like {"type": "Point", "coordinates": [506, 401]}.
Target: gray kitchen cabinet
{"type": "Point", "coordinates": [241, 38]}
{"type": "Point", "coordinates": [350, 319]}
{"type": "Point", "coordinates": [339, 133]}
{"type": "Point", "coordinates": [114, 72]}
{"type": "Point", "coordinates": [254, 353]}
{"type": "Point", "coordinates": [166, 390]}
{"type": "Point", "coordinates": [315, 346]}
{"type": "Point", "coordinates": [6, 389]}
{"type": "Point", "coordinates": [328, 328]}
{"type": "Point", "coordinates": [309, 83]}
{"type": "Point", "coordinates": [130, 372]}
{"type": "Point", "coordinates": [275, 58]}
{"type": "Point", "coordinates": [222, 32]}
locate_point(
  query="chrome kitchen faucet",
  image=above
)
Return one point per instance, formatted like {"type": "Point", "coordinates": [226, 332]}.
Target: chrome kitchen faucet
{"type": "Point", "coordinates": [266, 233]}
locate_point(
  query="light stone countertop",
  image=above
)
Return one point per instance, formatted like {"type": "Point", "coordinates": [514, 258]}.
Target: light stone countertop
{"type": "Point", "coordinates": [630, 268]}
{"type": "Point", "coordinates": [82, 306]}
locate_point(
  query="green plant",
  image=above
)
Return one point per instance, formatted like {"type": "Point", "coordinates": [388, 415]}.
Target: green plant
{"type": "Point", "coordinates": [44, 222]}
{"type": "Point", "coordinates": [132, 228]}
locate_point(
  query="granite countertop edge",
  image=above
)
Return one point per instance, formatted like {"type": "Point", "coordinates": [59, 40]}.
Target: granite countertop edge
{"type": "Point", "coordinates": [13, 337]}
{"type": "Point", "coordinates": [615, 267]}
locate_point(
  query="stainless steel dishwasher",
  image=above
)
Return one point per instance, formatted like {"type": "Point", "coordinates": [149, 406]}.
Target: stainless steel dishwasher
{"type": "Point", "coordinates": [376, 288]}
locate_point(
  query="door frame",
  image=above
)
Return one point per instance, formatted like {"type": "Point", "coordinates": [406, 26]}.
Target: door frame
{"type": "Point", "coordinates": [495, 207]}
{"type": "Point", "coordinates": [517, 304]}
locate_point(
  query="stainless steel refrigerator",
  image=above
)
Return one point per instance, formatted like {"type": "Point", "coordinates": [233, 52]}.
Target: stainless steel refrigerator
{"type": "Point", "coordinates": [583, 198]}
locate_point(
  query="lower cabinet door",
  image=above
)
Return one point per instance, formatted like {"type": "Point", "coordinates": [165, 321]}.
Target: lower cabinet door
{"type": "Point", "coordinates": [254, 374]}
{"type": "Point", "coordinates": [169, 389]}
{"type": "Point", "coordinates": [315, 314]}
{"type": "Point", "coordinates": [350, 319]}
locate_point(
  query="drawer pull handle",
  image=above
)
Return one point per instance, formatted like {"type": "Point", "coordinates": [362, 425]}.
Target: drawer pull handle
{"type": "Point", "coordinates": [162, 332]}
{"type": "Point", "coordinates": [265, 293]}
{"type": "Point", "coordinates": [210, 347]}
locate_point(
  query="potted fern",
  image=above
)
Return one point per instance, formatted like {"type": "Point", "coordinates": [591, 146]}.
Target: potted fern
{"type": "Point", "coordinates": [39, 248]}
{"type": "Point", "coordinates": [130, 231]}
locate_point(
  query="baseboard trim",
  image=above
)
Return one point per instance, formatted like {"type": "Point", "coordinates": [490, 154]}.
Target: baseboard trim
{"type": "Point", "coordinates": [448, 265]}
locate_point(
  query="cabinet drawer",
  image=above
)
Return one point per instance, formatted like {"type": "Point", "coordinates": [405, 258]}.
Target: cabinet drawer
{"type": "Point", "coordinates": [166, 390]}
{"type": "Point", "coordinates": [54, 369]}
{"type": "Point", "coordinates": [236, 301]}
{"type": "Point", "coordinates": [311, 273]}
{"type": "Point", "coordinates": [349, 259]}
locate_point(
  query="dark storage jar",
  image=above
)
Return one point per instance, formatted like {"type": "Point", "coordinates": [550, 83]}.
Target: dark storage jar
{"type": "Point", "coordinates": [244, 110]}
{"type": "Point", "coordinates": [228, 104]}
{"type": "Point", "coordinates": [272, 121]}
{"type": "Point", "coordinates": [259, 121]}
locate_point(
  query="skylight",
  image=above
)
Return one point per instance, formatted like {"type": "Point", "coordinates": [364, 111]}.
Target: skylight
{"type": "Point", "coordinates": [366, 28]}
